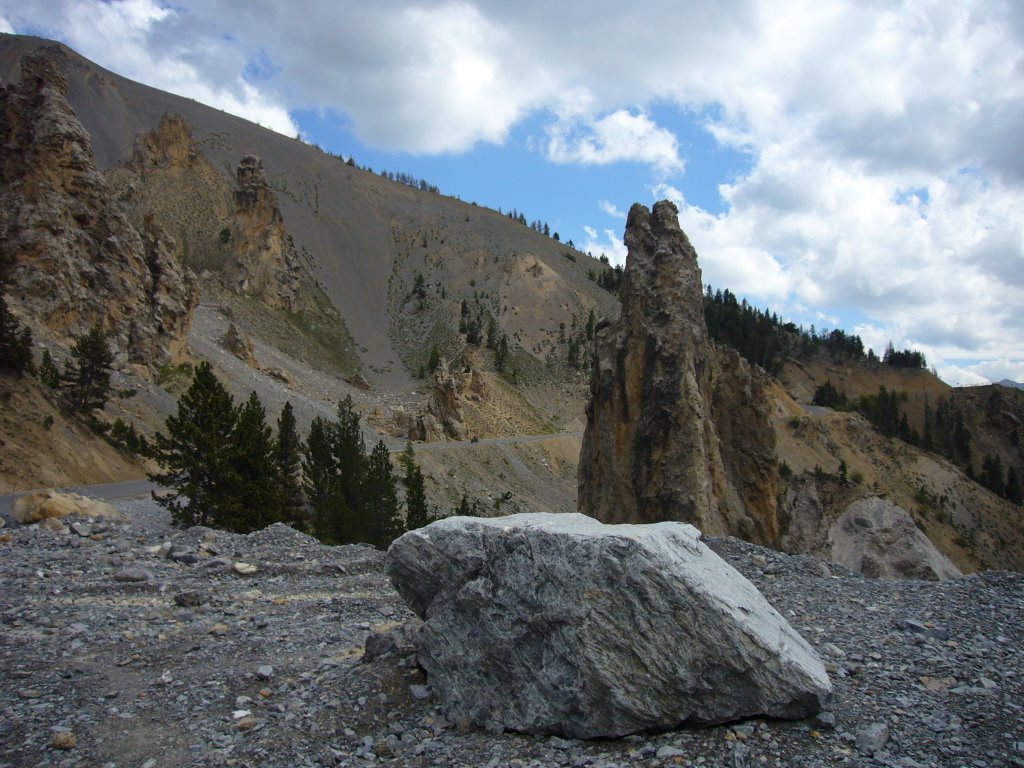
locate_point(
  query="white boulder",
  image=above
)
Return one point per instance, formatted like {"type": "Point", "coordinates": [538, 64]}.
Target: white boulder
{"type": "Point", "coordinates": [879, 539]}
{"type": "Point", "coordinates": [558, 624]}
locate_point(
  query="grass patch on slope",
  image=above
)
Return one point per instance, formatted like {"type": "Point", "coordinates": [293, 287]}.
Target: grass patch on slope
{"type": "Point", "coordinates": [316, 335]}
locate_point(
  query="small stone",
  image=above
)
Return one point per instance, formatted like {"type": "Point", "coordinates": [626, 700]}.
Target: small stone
{"type": "Point", "coordinates": [63, 740]}
{"type": "Point", "coordinates": [218, 629]}
{"type": "Point", "coordinates": [264, 672]}
{"type": "Point", "coordinates": [872, 739]}
{"type": "Point", "coordinates": [185, 556]}
{"type": "Point", "coordinates": [833, 650]}
{"type": "Point", "coordinates": [133, 575]}
{"type": "Point", "coordinates": [668, 751]}
{"type": "Point", "coordinates": [53, 525]}
{"type": "Point", "coordinates": [556, 742]}
{"type": "Point", "coordinates": [419, 692]}
{"type": "Point", "coordinates": [246, 723]}
{"type": "Point", "coordinates": [245, 569]}
{"type": "Point", "coordinates": [82, 529]}
{"type": "Point", "coordinates": [826, 721]}
{"type": "Point", "coordinates": [938, 684]}
{"type": "Point", "coordinates": [189, 599]}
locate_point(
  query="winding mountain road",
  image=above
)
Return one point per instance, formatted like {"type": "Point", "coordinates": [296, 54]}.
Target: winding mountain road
{"type": "Point", "coordinates": [130, 488]}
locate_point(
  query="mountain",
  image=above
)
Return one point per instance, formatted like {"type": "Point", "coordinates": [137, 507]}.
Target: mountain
{"type": "Point", "coordinates": [191, 235]}
{"type": "Point", "coordinates": [1011, 384]}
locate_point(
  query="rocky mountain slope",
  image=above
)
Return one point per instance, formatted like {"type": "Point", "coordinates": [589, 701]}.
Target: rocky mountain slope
{"type": "Point", "coordinates": [317, 280]}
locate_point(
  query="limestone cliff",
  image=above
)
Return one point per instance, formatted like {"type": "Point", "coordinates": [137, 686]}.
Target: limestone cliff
{"type": "Point", "coordinates": [675, 430]}
{"type": "Point", "coordinates": [265, 263]}
{"type": "Point", "coordinates": [72, 258]}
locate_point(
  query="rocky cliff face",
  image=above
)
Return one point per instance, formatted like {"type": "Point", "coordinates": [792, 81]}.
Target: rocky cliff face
{"type": "Point", "coordinates": [675, 431]}
{"type": "Point", "coordinates": [265, 263]}
{"type": "Point", "coordinates": [73, 258]}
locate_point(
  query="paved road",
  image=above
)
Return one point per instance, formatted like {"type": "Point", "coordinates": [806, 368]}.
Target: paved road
{"type": "Point", "coordinates": [103, 492]}
{"type": "Point", "coordinates": [418, 447]}
{"type": "Point", "coordinates": [130, 488]}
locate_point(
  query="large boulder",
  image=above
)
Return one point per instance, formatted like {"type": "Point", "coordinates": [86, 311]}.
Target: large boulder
{"type": "Point", "coordinates": [879, 539]}
{"type": "Point", "coordinates": [559, 624]}
{"type": "Point", "coordinates": [46, 505]}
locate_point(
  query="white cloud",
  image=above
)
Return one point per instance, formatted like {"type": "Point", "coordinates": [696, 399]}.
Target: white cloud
{"type": "Point", "coordinates": [611, 209]}
{"type": "Point", "coordinates": [127, 37]}
{"type": "Point", "coordinates": [847, 110]}
{"type": "Point", "coordinates": [614, 138]}
{"type": "Point", "coordinates": [607, 243]}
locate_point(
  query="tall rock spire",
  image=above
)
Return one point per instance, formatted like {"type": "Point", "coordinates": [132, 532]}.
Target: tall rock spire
{"type": "Point", "coordinates": [652, 449]}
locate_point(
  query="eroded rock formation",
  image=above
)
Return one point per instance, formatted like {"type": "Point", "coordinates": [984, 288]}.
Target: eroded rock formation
{"type": "Point", "coordinates": [72, 258]}
{"type": "Point", "coordinates": [557, 624]}
{"type": "Point", "coordinates": [443, 417]}
{"type": "Point", "coordinates": [239, 344]}
{"type": "Point", "coordinates": [169, 146]}
{"type": "Point", "coordinates": [675, 429]}
{"type": "Point", "coordinates": [264, 261]}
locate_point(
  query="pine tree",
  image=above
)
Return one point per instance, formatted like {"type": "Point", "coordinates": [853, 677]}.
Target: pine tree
{"type": "Point", "coordinates": [992, 474]}
{"type": "Point", "coordinates": [195, 454]}
{"type": "Point", "coordinates": [87, 375]}
{"type": "Point", "coordinates": [319, 476]}
{"type": "Point", "coordinates": [417, 514]}
{"type": "Point", "coordinates": [1014, 492]}
{"type": "Point", "coordinates": [288, 457]}
{"type": "Point", "coordinates": [252, 498]}
{"type": "Point", "coordinates": [335, 459]}
{"type": "Point", "coordinates": [501, 354]}
{"type": "Point", "coordinates": [15, 343]}
{"type": "Point", "coordinates": [48, 373]}
{"type": "Point", "coordinates": [381, 520]}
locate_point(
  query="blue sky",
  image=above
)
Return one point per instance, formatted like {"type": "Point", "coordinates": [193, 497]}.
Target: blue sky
{"type": "Point", "coordinates": [842, 162]}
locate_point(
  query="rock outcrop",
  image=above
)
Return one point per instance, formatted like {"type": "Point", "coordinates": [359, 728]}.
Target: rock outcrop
{"type": "Point", "coordinates": [557, 624]}
{"type": "Point", "coordinates": [877, 538]}
{"type": "Point", "coordinates": [443, 417]}
{"type": "Point", "coordinates": [675, 430]}
{"type": "Point", "coordinates": [73, 259]}
{"type": "Point", "coordinates": [264, 261]}
{"type": "Point", "coordinates": [53, 505]}
{"type": "Point", "coordinates": [239, 344]}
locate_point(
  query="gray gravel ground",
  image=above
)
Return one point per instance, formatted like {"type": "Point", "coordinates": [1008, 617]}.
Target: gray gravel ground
{"type": "Point", "coordinates": [143, 646]}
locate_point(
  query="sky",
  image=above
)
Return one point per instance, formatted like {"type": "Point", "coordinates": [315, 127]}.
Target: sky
{"type": "Point", "coordinates": [845, 164]}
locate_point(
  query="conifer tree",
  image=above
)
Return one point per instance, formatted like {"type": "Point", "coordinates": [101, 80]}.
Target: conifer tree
{"type": "Point", "coordinates": [195, 454]}
{"type": "Point", "coordinates": [48, 373]}
{"type": "Point", "coordinates": [288, 456]}
{"type": "Point", "coordinates": [87, 375]}
{"type": "Point", "coordinates": [335, 459]}
{"type": "Point", "coordinates": [417, 514]}
{"type": "Point", "coordinates": [253, 497]}
{"type": "Point", "coordinates": [501, 354]}
{"type": "Point", "coordinates": [319, 476]}
{"type": "Point", "coordinates": [1014, 491]}
{"type": "Point", "coordinates": [381, 521]}
{"type": "Point", "coordinates": [15, 342]}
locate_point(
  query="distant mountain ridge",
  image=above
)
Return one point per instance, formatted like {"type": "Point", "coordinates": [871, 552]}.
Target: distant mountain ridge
{"type": "Point", "coordinates": [1012, 384]}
